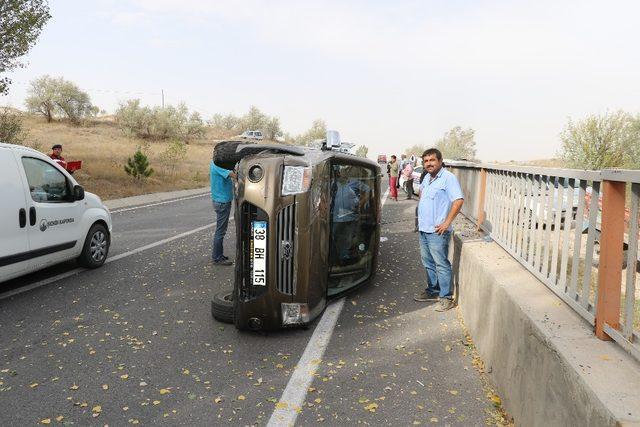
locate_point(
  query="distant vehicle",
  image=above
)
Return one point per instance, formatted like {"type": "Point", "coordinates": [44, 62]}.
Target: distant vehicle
{"type": "Point", "coordinates": [417, 171]}
{"type": "Point", "coordinates": [382, 158]}
{"type": "Point", "coordinates": [46, 216]}
{"type": "Point", "coordinates": [252, 134]}
{"type": "Point", "coordinates": [347, 147]}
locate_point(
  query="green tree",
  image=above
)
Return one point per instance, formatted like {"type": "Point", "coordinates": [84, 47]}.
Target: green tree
{"type": "Point", "coordinates": [271, 128]}
{"type": "Point", "coordinates": [362, 151]}
{"type": "Point", "coordinates": [11, 130]}
{"type": "Point", "coordinates": [632, 151]}
{"type": "Point", "coordinates": [41, 97]}
{"type": "Point", "coordinates": [74, 103]}
{"type": "Point", "coordinates": [599, 141]}
{"type": "Point", "coordinates": [21, 22]}
{"type": "Point", "coordinates": [318, 131]}
{"type": "Point", "coordinates": [138, 166]}
{"type": "Point", "coordinates": [228, 122]}
{"type": "Point", "coordinates": [254, 119]}
{"type": "Point", "coordinates": [59, 97]}
{"type": "Point", "coordinates": [458, 144]}
{"type": "Point", "coordinates": [417, 150]}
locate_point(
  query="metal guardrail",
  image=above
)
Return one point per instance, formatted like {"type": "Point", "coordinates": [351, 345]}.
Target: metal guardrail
{"type": "Point", "coordinates": [572, 230]}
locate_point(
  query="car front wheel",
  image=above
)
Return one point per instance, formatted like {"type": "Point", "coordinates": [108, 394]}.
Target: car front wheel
{"type": "Point", "coordinates": [96, 247]}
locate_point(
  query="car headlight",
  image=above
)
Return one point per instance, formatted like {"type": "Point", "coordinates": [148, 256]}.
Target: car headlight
{"type": "Point", "coordinates": [296, 179]}
{"type": "Point", "coordinates": [255, 173]}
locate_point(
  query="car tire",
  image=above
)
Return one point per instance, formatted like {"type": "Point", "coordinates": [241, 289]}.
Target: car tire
{"type": "Point", "coordinates": [96, 247]}
{"type": "Point", "coordinates": [226, 157]}
{"type": "Point", "coordinates": [222, 306]}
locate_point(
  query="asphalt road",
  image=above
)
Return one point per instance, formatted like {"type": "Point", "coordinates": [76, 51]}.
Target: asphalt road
{"type": "Point", "coordinates": [134, 342]}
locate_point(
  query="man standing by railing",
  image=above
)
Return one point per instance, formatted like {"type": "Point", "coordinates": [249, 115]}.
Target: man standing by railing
{"type": "Point", "coordinates": [440, 201]}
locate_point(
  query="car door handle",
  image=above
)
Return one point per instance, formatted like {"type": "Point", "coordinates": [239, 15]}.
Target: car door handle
{"type": "Point", "coordinates": [32, 216]}
{"type": "Point", "coordinates": [22, 217]}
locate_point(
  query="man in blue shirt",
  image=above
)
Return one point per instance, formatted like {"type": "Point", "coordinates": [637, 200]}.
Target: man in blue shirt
{"type": "Point", "coordinates": [440, 201]}
{"type": "Point", "coordinates": [221, 195]}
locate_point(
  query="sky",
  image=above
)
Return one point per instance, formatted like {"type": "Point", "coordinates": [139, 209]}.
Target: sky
{"type": "Point", "coordinates": [387, 75]}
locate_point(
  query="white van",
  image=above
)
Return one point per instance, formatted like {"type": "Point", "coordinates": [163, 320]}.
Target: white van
{"type": "Point", "coordinates": [45, 216]}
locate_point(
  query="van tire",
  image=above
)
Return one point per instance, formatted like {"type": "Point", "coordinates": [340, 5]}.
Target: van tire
{"type": "Point", "coordinates": [222, 306]}
{"type": "Point", "coordinates": [96, 247]}
{"type": "Point", "coordinates": [225, 156]}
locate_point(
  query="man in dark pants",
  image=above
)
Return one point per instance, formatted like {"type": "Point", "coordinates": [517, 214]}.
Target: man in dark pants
{"type": "Point", "coordinates": [221, 196]}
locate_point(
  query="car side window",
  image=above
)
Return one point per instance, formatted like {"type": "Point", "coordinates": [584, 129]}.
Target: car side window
{"type": "Point", "coordinates": [46, 183]}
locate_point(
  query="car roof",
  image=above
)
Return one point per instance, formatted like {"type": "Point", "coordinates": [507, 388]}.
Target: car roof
{"type": "Point", "coordinates": [21, 148]}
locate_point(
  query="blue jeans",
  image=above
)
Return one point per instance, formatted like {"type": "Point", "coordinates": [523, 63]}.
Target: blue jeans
{"type": "Point", "coordinates": [223, 210]}
{"type": "Point", "coordinates": [434, 249]}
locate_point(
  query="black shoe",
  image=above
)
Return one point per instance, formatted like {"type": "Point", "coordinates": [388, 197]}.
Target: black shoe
{"type": "Point", "coordinates": [223, 261]}
{"type": "Point", "coordinates": [425, 296]}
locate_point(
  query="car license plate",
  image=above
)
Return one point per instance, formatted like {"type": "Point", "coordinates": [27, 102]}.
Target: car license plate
{"type": "Point", "coordinates": [259, 254]}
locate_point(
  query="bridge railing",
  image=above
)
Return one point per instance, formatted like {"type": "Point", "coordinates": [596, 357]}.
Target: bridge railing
{"type": "Point", "coordinates": [576, 231]}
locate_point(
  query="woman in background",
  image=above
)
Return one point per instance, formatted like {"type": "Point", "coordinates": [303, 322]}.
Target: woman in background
{"type": "Point", "coordinates": [393, 178]}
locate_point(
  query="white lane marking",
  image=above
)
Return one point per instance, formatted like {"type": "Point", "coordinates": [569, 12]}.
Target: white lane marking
{"type": "Point", "coordinates": [385, 195]}
{"type": "Point", "coordinates": [111, 259]}
{"type": "Point", "coordinates": [294, 394]}
{"type": "Point", "coordinates": [158, 203]}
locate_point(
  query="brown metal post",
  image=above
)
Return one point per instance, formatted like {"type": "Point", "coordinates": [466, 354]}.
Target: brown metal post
{"type": "Point", "coordinates": [483, 190]}
{"type": "Point", "coordinates": [611, 254]}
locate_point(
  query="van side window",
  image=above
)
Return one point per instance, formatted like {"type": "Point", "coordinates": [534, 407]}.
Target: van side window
{"type": "Point", "coordinates": [46, 183]}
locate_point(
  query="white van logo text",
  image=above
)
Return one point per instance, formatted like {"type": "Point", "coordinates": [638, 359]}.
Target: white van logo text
{"type": "Point", "coordinates": [44, 224]}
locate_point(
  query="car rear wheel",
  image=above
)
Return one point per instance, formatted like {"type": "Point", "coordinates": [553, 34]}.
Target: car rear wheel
{"type": "Point", "coordinates": [222, 306]}
{"type": "Point", "coordinates": [96, 247]}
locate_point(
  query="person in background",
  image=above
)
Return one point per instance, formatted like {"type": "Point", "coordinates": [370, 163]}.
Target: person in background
{"type": "Point", "coordinates": [407, 173]}
{"type": "Point", "coordinates": [441, 199]}
{"type": "Point", "coordinates": [403, 162]}
{"type": "Point", "coordinates": [393, 178]}
{"type": "Point", "coordinates": [56, 154]}
{"type": "Point", "coordinates": [221, 196]}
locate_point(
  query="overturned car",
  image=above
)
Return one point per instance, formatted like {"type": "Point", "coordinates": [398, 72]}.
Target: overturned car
{"type": "Point", "coordinates": [307, 229]}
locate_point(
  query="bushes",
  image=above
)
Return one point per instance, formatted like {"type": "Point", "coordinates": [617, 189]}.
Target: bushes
{"type": "Point", "coordinates": [159, 123]}
{"type": "Point", "coordinates": [254, 119]}
{"type": "Point", "coordinates": [11, 130]}
{"type": "Point", "coordinates": [602, 141]}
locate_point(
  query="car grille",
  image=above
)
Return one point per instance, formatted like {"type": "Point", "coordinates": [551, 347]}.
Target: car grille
{"type": "Point", "coordinates": [285, 233]}
{"type": "Point", "coordinates": [249, 213]}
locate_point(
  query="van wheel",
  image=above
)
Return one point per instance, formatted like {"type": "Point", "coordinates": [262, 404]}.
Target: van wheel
{"type": "Point", "coordinates": [222, 306]}
{"type": "Point", "coordinates": [96, 247]}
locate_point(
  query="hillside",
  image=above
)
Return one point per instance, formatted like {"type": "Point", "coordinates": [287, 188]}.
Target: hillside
{"type": "Point", "coordinates": [104, 149]}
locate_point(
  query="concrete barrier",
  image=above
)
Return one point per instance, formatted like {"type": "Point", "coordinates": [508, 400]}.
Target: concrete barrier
{"type": "Point", "coordinates": [544, 359]}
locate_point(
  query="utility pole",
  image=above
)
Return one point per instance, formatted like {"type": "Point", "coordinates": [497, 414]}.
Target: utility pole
{"type": "Point", "coordinates": [162, 90]}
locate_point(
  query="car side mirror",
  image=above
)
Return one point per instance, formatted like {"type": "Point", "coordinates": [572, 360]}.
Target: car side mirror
{"type": "Point", "coordinates": [78, 192]}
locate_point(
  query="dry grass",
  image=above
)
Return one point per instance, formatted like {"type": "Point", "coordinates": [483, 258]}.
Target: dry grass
{"type": "Point", "coordinates": [104, 150]}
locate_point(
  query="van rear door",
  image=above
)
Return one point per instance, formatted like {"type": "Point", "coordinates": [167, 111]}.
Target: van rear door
{"type": "Point", "coordinates": [14, 238]}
